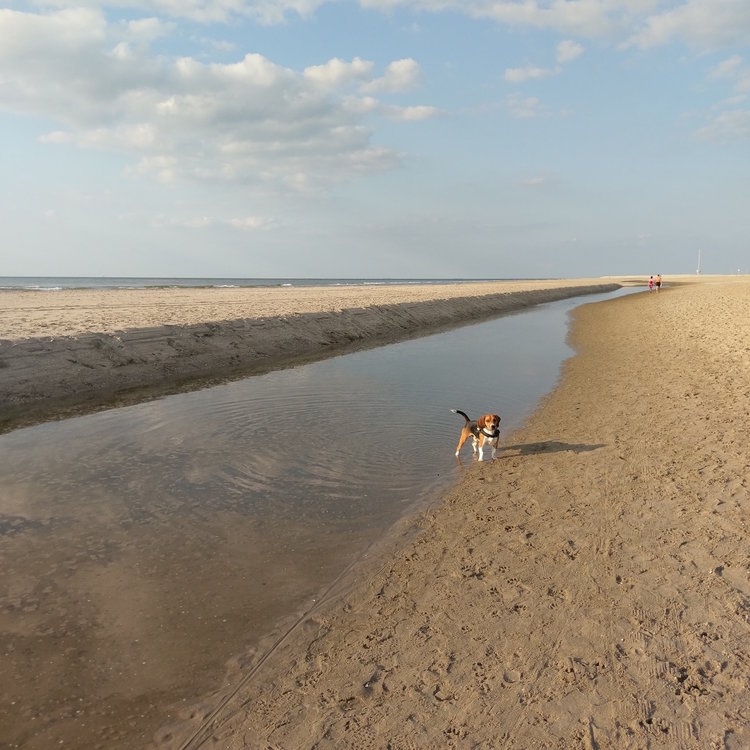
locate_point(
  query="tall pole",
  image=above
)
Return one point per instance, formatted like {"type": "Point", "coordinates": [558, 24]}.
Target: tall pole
{"type": "Point", "coordinates": [698, 270]}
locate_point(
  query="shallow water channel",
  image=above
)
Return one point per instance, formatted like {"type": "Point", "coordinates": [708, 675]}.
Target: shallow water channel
{"type": "Point", "coordinates": [143, 547]}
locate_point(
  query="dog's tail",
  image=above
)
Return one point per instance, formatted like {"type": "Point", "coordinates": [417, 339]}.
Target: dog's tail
{"type": "Point", "coordinates": [458, 411]}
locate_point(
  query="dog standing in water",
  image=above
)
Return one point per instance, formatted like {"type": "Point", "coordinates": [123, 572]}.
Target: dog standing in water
{"type": "Point", "coordinates": [482, 431]}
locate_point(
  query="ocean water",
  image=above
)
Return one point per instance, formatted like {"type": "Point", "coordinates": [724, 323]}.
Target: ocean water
{"type": "Point", "coordinates": [57, 283]}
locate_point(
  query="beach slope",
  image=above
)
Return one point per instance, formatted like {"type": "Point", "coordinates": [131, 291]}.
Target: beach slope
{"type": "Point", "coordinates": [72, 350]}
{"type": "Point", "coordinates": [588, 589]}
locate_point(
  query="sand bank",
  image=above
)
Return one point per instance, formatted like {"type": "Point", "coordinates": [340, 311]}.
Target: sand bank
{"type": "Point", "coordinates": [71, 350]}
{"type": "Point", "coordinates": [588, 589]}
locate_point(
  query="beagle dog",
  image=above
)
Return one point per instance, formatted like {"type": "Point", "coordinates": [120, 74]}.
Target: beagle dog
{"type": "Point", "coordinates": [482, 431]}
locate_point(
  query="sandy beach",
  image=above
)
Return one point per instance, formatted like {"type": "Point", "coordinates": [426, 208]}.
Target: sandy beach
{"type": "Point", "coordinates": [588, 589]}
{"type": "Point", "coordinates": [69, 351]}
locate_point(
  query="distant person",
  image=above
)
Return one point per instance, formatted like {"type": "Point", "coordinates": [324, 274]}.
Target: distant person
{"type": "Point", "coordinates": [651, 283]}
{"type": "Point", "coordinates": [658, 282]}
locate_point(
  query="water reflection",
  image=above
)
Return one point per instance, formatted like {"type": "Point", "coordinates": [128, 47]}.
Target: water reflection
{"type": "Point", "coordinates": [143, 547]}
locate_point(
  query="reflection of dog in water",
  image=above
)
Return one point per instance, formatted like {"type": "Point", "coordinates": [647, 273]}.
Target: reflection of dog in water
{"type": "Point", "coordinates": [482, 431]}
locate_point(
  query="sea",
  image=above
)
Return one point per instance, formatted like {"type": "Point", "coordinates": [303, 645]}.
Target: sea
{"type": "Point", "coordinates": [57, 283]}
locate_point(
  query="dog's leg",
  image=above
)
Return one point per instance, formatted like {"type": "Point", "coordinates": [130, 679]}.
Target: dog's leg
{"type": "Point", "coordinates": [464, 437]}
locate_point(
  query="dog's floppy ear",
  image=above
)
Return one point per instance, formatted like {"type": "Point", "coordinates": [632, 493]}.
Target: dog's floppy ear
{"type": "Point", "coordinates": [482, 421]}
{"type": "Point", "coordinates": [497, 417]}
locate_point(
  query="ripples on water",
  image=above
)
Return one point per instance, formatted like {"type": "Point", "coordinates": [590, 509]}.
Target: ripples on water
{"type": "Point", "coordinates": [144, 546]}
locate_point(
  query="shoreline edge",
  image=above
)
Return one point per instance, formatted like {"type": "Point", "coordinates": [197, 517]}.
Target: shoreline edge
{"type": "Point", "coordinates": [48, 377]}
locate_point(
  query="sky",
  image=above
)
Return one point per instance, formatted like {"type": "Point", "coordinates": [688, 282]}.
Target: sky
{"type": "Point", "coordinates": [374, 138]}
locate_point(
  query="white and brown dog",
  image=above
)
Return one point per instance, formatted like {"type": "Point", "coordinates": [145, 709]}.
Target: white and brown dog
{"type": "Point", "coordinates": [482, 431]}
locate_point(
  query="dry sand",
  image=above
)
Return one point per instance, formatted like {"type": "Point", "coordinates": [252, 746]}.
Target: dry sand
{"type": "Point", "coordinates": [68, 351]}
{"type": "Point", "coordinates": [588, 589]}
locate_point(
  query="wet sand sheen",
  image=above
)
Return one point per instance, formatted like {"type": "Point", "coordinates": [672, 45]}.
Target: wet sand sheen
{"type": "Point", "coordinates": [71, 351]}
{"type": "Point", "coordinates": [545, 486]}
{"type": "Point", "coordinates": [589, 589]}
{"type": "Point", "coordinates": [129, 534]}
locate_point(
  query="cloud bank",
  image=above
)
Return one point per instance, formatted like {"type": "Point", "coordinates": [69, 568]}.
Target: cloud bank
{"type": "Point", "coordinates": [182, 119]}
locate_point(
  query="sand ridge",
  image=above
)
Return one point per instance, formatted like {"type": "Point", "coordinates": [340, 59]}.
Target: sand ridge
{"type": "Point", "coordinates": [590, 588]}
{"type": "Point", "coordinates": [72, 312]}
{"type": "Point", "coordinates": [74, 350]}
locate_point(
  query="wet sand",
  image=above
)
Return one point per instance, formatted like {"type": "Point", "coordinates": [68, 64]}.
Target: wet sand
{"type": "Point", "coordinates": [588, 589]}
{"type": "Point", "coordinates": [70, 351]}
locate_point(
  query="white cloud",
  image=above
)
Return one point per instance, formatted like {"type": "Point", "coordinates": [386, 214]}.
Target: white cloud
{"type": "Point", "coordinates": [565, 52]}
{"type": "Point", "coordinates": [368, 105]}
{"type": "Point", "coordinates": [732, 101]}
{"type": "Point", "coordinates": [265, 12]}
{"type": "Point", "coordinates": [529, 73]}
{"type": "Point", "coordinates": [147, 29]}
{"type": "Point", "coordinates": [568, 51]}
{"type": "Point", "coordinates": [708, 24]}
{"type": "Point", "coordinates": [410, 114]}
{"type": "Point", "coordinates": [705, 24]}
{"type": "Point", "coordinates": [733, 69]}
{"type": "Point", "coordinates": [251, 223]}
{"type": "Point", "coordinates": [338, 72]}
{"type": "Point", "coordinates": [201, 11]}
{"type": "Point", "coordinates": [727, 68]}
{"type": "Point", "coordinates": [135, 137]}
{"type": "Point", "coordinates": [729, 122]}
{"type": "Point", "coordinates": [534, 181]}
{"type": "Point", "coordinates": [731, 125]}
{"type": "Point", "coordinates": [401, 75]}
{"type": "Point", "coordinates": [249, 121]}
{"type": "Point", "coordinates": [362, 105]}
{"type": "Point", "coordinates": [584, 17]}
{"type": "Point", "coordinates": [521, 107]}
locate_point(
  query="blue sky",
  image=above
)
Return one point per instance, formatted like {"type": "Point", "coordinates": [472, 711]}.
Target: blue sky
{"type": "Point", "coordinates": [381, 138]}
